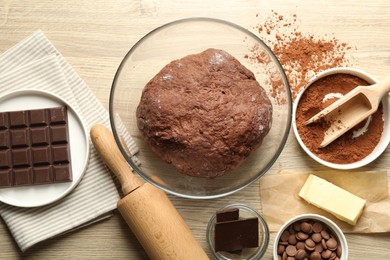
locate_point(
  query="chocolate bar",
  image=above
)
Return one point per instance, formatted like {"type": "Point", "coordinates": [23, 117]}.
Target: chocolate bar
{"type": "Point", "coordinates": [34, 147]}
{"type": "Point", "coordinates": [232, 233]}
{"type": "Point", "coordinates": [236, 235]}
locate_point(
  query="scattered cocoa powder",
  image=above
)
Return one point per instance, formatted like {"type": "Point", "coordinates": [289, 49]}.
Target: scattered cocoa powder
{"type": "Point", "coordinates": [345, 149]}
{"type": "Point", "coordinates": [302, 55]}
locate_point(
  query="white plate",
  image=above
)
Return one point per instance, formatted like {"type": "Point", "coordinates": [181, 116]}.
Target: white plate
{"type": "Point", "coordinates": [39, 195]}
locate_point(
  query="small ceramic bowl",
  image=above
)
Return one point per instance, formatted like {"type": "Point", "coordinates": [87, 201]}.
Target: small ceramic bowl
{"type": "Point", "coordinates": [332, 227]}
{"type": "Point", "coordinates": [385, 139]}
{"type": "Point", "coordinates": [246, 253]}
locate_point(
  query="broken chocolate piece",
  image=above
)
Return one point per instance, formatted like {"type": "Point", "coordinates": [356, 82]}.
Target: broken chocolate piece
{"type": "Point", "coordinates": [236, 235]}
{"type": "Point", "coordinates": [227, 215]}
{"type": "Point", "coordinates": [34, 147]}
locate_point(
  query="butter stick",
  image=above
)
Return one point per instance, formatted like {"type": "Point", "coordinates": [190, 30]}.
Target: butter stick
{"type": "Point", "coordinates": [337, 201]}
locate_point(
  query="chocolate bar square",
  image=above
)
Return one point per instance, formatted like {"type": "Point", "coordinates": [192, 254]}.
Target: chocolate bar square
{"type": "Point", "coordinates": [17, 118]}
{"type": "Point", "coordinates": [23, 176]}
{"type": "Point", "coordinates": [43, 174]}
{"type": "Point", "coordinates": [3, 121]}
{"type": "Point", "coordinates": [40, 135]}
{"type": "Point", "coordinates": [39, 117]}
{"type": "Point", "coordinates": [5, 158]}
{"type": "Point", "coordinates": [4, 139]}
{"type": "Point", "coordinates": [20, 137]}
{"type": "Point", "coordinates": [6, 177]}
{"type": "Point", "coordinates": [41, 155]}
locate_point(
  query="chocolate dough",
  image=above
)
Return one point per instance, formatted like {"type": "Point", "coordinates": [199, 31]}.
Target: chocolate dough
{"type": "Point", "coordinates": [204, 113]}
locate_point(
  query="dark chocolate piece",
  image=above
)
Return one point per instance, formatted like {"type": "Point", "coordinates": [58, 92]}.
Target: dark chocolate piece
{"type": "Point", "coordinates": [227, 214]}
{"type": "Point", "coordinates": [236, 235]}
{"type": "Point", "coordinates": [34, 147]}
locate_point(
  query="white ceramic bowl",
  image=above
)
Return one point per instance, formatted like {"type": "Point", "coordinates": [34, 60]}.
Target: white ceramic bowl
{"type": "Point", "coordinates": [385, 139]}
{"type": "Point", "coordinates": [329, 223]}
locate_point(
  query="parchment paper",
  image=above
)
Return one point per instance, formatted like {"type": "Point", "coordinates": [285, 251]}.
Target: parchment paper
{"type": "Point", "coordinates": [280, 200]}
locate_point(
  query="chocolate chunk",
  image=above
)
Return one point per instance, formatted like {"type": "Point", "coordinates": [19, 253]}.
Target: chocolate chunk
{"type": "Point", "coordinates": [227, 215]}
{"type": "Point", "coordinates": [34, 147]}
{"type": "Point", "coordinates": [236, 235]}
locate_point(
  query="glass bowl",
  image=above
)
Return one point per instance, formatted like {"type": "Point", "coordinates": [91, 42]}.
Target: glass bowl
{"type": "Point", "coordinates": [246, 253]}
{"type": "Point", "coordinates": [176, 40]}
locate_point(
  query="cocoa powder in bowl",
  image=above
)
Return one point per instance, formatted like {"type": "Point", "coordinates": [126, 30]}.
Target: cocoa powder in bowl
{"type": "Point", "coordinates": [354, 145]}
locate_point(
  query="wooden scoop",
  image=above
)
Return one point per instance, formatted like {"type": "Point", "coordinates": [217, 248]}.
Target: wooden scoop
{"type": "Point", "coordinates": [350, 110]}
{"type": "Point", "coordinates": [147, 210]}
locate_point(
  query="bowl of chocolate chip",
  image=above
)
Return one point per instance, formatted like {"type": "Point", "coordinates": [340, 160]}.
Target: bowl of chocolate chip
{"type": "Point", "coordinates": [206, 118]}
{"type": "Point", "coordinates": [360, 145]}
{"type": "Point", "coordinates": [310, 236]}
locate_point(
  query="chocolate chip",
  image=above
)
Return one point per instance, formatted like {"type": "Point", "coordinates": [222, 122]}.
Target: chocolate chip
{"type": "Point", "coordinates": [325, 234]}
{"type": "Point", "coordinates": [316, 237]}
{"type": "Point", "coordinates": [301, 254]}
{"type": "Point", "coordinates": [292, 240]}
{"type": "Point", "coordinates": [317, 227]}
{"type": "Point", "coordinates": [319, 248]}
{"type": "Point", "coordinates": [315, 256]}
{"type": "Point", "coordinates": [300, 245]}
{"type": "Point", "coordinates": [326, 254]}
{"type": "Point", "coordinates": [310, 244]}
{"type": "Point", "coordinates": [280, 249]}
{"type": "Point", "coordinates": [291, 230]}
{"type": "Point", "coordinates": [338, 251]}
{"type": "Point", "coordinates": [291, 250]}
{"type": "Point", "coordinates": [285, 236]}
{"type": "Point", "coordinates": [306, 227]}
{"type": "Point", "coordinates": [302, 236]}
{"type": "Point", "coordinates": [323, 243]}
{"type": "Point", "coordinates": [297, 226]}
{"type": "Point", "coordinates": [331, 244]}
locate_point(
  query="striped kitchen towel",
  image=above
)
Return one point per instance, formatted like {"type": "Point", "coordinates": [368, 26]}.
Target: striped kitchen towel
{"type": "Point", "coordinates": [35, 63]}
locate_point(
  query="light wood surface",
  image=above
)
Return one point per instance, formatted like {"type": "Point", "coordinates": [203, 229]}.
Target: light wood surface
{"type": "Point", "coordinates": [95, 35]}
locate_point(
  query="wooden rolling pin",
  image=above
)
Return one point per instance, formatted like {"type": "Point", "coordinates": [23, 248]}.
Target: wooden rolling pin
{"type": "Point", "coordinates": [147, 210]}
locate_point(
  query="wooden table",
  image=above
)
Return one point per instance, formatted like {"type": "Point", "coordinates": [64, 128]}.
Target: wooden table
{"type": "Point", "coordinates": [95, 35]}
